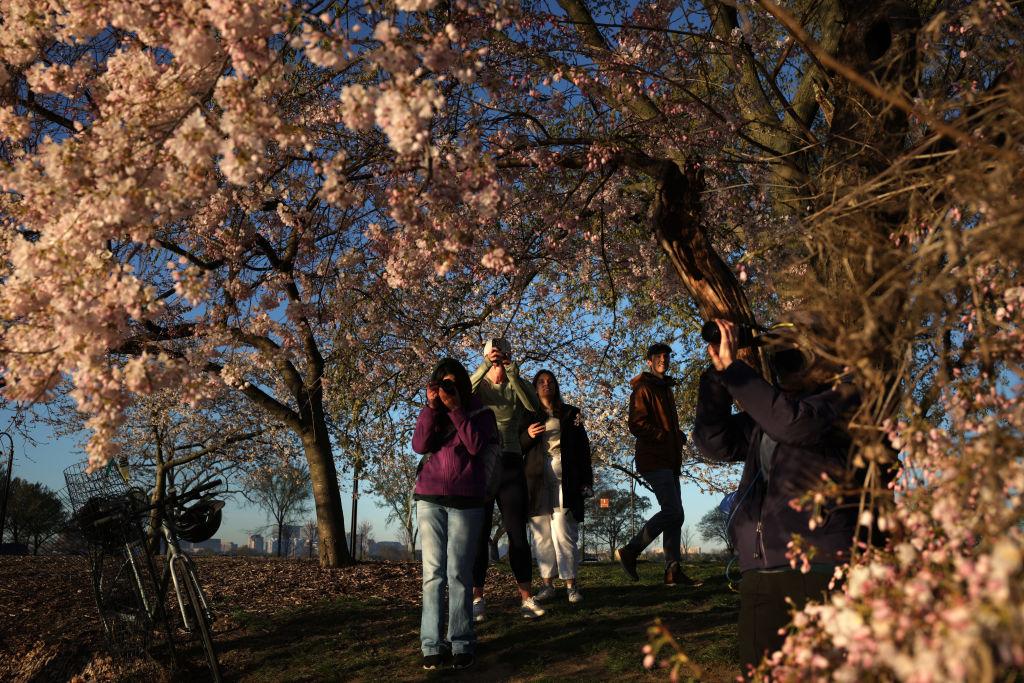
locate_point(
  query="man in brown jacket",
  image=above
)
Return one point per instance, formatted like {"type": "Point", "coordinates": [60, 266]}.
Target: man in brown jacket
{"type": "Point", "coordinates": [659, 454]}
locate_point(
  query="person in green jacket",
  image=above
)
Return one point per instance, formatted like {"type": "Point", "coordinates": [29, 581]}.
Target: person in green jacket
{"type": "Point", "coordinates": [499, 387]}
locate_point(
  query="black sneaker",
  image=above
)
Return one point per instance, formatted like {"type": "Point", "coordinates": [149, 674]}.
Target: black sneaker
{"type": "Point", "coordinates": [463, 660]}
{"type": "Point", "coordinates": [674, 576]}
{"type": "Point", "coordinates": [627, 558]}
{"type": "Point", "coordinates": [431, 662]}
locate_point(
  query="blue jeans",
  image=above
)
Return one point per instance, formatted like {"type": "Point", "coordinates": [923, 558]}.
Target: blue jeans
{"type": "Point", "coordinates": [668, 521]}
{"type": "Point", "coordinates": [448, 537]}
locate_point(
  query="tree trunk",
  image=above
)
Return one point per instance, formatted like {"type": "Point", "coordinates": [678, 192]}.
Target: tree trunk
{"type": "Point", "coordinates": [159, 493]}
{"type": "Point", "coordinates": [492, 551]}
{"type": "Point", "coordinates": [675, 222]}
{"type": "Point", "coordinates": [355, 504]}
{"type": "Point", "coordinates": [330, 519]}
{"type": "Point", "coordinates": [410, 530]}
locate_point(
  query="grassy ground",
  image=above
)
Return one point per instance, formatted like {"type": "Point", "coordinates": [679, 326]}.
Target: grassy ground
{"type": "Point", "coordinates": [291, 620]}
{"type": "Point", "coordinates": [348, 638]}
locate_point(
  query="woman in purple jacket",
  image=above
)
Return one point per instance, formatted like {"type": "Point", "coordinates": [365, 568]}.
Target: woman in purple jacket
{"type": "Point", "coordinates": [452, 430]}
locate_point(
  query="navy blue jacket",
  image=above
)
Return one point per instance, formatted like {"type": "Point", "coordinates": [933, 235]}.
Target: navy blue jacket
{"type": "Point", "coordinates": [811, 436]}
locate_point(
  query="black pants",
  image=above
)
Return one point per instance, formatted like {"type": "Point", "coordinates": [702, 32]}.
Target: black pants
{"type": "Point", "coordinates": [513, 501]}
{"type": "Point", "coordinates": [763, 608]}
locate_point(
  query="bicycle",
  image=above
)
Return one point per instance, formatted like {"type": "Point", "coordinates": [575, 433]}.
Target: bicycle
{"type": "Point", "coordinates": [130, 598]}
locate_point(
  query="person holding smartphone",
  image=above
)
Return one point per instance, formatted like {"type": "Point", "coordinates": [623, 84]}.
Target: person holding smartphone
{"type": "Point", "coordinates": [499, 387]}
{"type": "Point", "coordinates": [452, 430]}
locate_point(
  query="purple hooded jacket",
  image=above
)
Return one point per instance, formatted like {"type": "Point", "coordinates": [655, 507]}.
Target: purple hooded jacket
{"type": "Point", "coordinates": [453, 469]}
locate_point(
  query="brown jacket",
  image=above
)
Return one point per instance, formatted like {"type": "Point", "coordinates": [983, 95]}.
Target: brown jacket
{"type": "Point", "coordinates": [655, 424]}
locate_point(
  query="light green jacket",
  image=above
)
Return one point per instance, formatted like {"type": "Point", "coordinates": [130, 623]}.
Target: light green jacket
{"type": "Point", "coordinates": [509, 401]}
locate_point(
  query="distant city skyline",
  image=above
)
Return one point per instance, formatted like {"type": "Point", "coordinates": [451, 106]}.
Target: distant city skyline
{"type": "Point", "coordinates": [45, 463]}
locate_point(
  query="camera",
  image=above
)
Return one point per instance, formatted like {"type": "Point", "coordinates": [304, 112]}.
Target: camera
{"type": "Point", "coordinates": [445, 385]}
{"type": "Point", "coordinates": [746, 336]}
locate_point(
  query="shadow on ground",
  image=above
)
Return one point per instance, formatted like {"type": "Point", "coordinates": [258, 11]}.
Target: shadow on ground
{"type": "Point", "coordinates": [600, 639]}
{"type": "Point", "coordinates": [288, 620]}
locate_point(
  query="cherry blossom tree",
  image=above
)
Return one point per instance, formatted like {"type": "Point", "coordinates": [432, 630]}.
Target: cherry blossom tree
{"type": "Point", "coordinates": [283, 493]}
{"type": "Point", "coordinates": [201, 197]}
{"type": "Point", "coordinates": [238, 194]}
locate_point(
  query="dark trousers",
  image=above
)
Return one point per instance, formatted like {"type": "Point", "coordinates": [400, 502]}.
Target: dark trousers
{"type": "Point", "coordinates": [763, 608]}
{"type": "Point", "coordinates": [668, 521]}
{"type": "Point", "coordinates": [513, 501]}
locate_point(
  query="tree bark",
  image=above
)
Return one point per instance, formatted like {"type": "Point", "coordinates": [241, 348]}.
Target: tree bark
{"type": "Point", "coordinates": [355, 503]}
{"type": "Point", "coordinates": [157, 497]}
{"type": "Point", "coordinates": [675, 222]}
{"type": "Point", "coordinates": [330, 519]}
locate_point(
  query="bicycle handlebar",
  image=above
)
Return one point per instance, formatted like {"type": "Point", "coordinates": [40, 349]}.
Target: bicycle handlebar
{"type": "Point", "coordinates": [172, 500]}
{"type": "Point", "coordinates": [177, 498]}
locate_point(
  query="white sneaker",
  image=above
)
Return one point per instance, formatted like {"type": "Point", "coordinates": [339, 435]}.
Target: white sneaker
{"type": "Point", "coordinates": [530, 609]}
{"type": "Point", "coordinates": [479, 610]}
{"type": "Point", "coordinates": [545, 593]}
{"type": "Point", "coordinates": [575, 597]}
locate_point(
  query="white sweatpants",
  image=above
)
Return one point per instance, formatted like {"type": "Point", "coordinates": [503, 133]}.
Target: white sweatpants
{"type": "Point", "coordinates": [556, 544]}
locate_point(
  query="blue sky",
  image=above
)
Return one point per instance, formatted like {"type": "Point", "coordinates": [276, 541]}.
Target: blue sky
{"type": "Point", "coordinates": [46, 461]}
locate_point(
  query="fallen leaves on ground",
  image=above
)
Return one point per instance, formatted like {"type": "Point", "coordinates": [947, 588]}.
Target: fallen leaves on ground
{"type": "Point", "coordinates": [49, 628]}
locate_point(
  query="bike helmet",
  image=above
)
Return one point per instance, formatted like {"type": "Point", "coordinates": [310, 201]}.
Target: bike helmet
{"type": "Point", "coordinates": [200, 521]}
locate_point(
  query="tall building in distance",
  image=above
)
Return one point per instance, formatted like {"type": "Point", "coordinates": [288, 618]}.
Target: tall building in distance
{"type": "Point", "coordinates": [211, 545]}
{"type": "Point", "coordinates": [257, 544]}
{"type": "Point", "coordinates": [293, 541]}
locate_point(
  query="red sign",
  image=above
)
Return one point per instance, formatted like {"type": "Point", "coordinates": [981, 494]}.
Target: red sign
{"type": "Point", "coordinates": [604, 503]}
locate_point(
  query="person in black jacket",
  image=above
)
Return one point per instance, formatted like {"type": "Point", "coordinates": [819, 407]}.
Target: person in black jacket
{"type": "Point", "coordinates": [787, 435]}
{"type": "Point", "coordinates": [559, 475]}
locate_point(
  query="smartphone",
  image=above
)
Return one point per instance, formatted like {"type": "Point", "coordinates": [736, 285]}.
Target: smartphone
{"type": "Point", "coordinates": [496, 344]}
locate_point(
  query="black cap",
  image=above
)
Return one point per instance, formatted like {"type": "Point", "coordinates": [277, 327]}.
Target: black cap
{"type": "Point", "coordinates": [655, 349]}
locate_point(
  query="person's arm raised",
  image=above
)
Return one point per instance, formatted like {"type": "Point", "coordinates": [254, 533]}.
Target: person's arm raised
{"type": "Point", "coordinates": [479, 373]}
{"type": "Point", "coordinates": [424, 437]}
{"type": "Point", "coordinates": [524, 390]}
{"type": "Point", "coordinates": [474, 432]}
{"type": "Point", "coordinates": [718, 434]}
{"type": "Point", "coordinates": [797, 421]}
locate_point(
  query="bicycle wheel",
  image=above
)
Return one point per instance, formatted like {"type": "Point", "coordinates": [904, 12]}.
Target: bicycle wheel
{"type": "Point", "coordinates": [201, 620]}
{"type": "Point", "coordinates": [117, 577]}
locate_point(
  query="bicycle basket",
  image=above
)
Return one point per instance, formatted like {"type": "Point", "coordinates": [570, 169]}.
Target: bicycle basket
{"type": "Point", "coordinates": [103, 496]}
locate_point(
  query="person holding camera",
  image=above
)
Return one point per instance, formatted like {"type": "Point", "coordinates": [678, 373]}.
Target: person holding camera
{"type": "Point", "coordinates": [788, 435]}
{"type": "Point", "coordinates": [499, 387]}
{"type": "Point", "coordinates": [451, 431]}
{"type": "Point", "coordinates": [559, 475]}
{"type": "Point", "coordinates": [654, 422]}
